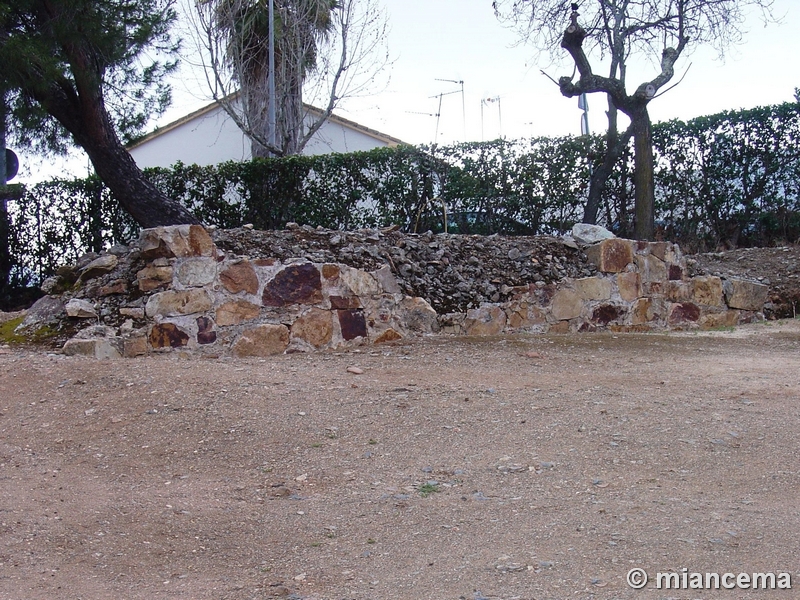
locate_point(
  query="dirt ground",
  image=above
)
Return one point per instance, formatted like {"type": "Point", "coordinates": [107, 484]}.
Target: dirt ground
{"type": "Point", "coordinates": [521, 467]}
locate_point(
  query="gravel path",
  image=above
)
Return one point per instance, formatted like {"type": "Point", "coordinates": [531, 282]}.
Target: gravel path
{"type": "Point", "coordinates": [524, 467]}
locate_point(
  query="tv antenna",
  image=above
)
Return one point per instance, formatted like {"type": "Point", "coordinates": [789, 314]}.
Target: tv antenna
{"type": "Point", "coordinates": [486, 102]}
{"type": "Point", "coordinates": [463, 104]}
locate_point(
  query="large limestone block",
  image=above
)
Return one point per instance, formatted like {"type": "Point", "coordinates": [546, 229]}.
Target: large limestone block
{"type": "Point", "coordinates": [651, 268]}
{"type": "Point", "coordinates": [262, 340]}
{"type": "Point", "coordinates": [197, 271]}
{"type": "Point", "coordinates": [707, 291]}
{"type": "Point", "coordinates": [153, 277]}
{"type": "Point", "coordinates": [315, 327]}
{"type": "Point", "coordinates": [745, 295]}
{"type": "Point", "coordinates": [173, 303]}
{"type": "Point", "coordinates": [417, 315]}
{"type": "Point", "coordinates": [81, 309]}
{"type": "Point", "coordinates": [360, 282]}
{"type": "Point", "coordinates": [611, 256]}
{"type": "Point", "coordinates": [566, 305]}
{"type": "Point", "coordinates": [486, 320]}
{"type": "Point", "coordinates": [725, 318]}
{"type": "Point", "coordinates": [236, 311]}
{"type": "Point", "coordinates": [176, 241]}
{"type": "Point", "coordinates": [97, 348]}
{"type": "Point", "coordinates": [630, 285]}
{"type": "Point", "coordinates": [45, 310]}
{"type": "Point", "coordinates": [134, 346]}
{"type": "Point", "coordinates": [239, 277]}
{"type": "Point", "coordinates": [386, 280]}
{"type": "Point", "coordinates": [593, 288]}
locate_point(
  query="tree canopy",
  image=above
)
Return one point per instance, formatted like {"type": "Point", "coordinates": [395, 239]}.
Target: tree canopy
{"type": "Point", "coordinates": [661, 30]}
{"type": "Point", "coordinates": [91, 71]}
{"type": "Point", "coordinates": [326, 49]}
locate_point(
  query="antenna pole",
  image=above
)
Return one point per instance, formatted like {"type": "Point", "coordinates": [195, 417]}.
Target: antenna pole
{"type": "Point", "coordinates": [463, 112]}
{"type": "Point", "coordinates": [271, 110]}
{"type": "Point", "coordinates": [438, 115]}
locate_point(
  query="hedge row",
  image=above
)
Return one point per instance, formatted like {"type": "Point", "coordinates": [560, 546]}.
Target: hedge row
{"type": "Point", "coordinates": [730, 178]}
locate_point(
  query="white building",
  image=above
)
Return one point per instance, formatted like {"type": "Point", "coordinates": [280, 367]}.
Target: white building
{"type": "Point", "coordinates": [209, 136]}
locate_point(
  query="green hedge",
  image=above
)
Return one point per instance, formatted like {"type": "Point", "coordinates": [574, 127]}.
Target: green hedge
{"type": "Point", "coordinates": [730, 178]}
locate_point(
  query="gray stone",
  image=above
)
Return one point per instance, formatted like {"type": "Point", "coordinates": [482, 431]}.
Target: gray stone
{"type": "Point", "coordinates": [45, 310]}
{"type": "Point", "coordinates": [99, 266]}
{"type": "Point", "coordinates": [196, 272]}
{"type": "Point", "coordinates": [80, 309]}
{"type": "Point", "coordinates": [586, 235]}
{"type": "Point", "coordinates": [387, 280]}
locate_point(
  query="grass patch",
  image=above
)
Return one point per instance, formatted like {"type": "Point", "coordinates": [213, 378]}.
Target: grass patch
{"type": "Point", "coordinates": [8, 335]}
{"type": "Point", "coordinates": [426, 489]}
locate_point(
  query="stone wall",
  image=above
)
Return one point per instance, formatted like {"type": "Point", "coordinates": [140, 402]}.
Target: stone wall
{"type": "Point", "coordinates": [176, 290]}
{"type": "Point", "coordinates": [190, 296]}
{"type": "Point", "coordinates": [639, 286]}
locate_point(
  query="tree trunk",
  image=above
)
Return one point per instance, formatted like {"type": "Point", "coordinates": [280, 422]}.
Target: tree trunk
{"type": "Point", "coordinates": [615, 147]}
{"type": "Point", "coordinates": [643, 179]}
{"type": "Point", "coordinates": [5, 250]}
{"type": "Point", "coordinates": [135, 193]}
{"type": "Point", "coordinates": [85, 117]}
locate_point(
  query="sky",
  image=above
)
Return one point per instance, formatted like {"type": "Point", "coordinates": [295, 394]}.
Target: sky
{"type": "Point", "coordinates": [505, 94]}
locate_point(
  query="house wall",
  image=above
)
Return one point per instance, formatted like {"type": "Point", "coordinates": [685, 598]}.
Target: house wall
{"type": "Point", "coordinates": [208, 139]}
{"type": "Point", "coordinates": [212, 137]}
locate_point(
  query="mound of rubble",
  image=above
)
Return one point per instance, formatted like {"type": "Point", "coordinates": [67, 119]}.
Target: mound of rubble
{"type": "Point", "coordinates": [452, 272]}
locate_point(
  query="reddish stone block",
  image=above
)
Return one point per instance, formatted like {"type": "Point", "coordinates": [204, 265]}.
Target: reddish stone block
{"type": "Point", "coordinates": [345, 302]}
{"type": "Point", "coordinates": [390, 335]}
{"type": "Point", "coordinates": [605, 313]}
{"type": "Point", "coordinates": [486, 320]}
{"type": "Point", "coordinates": [167, 335]}
{"type": "Point", "coordinates": [330, 271]}
{"type": "Point", "coordinates": [314, 327]}
{"type": "Point", "coordinates": [205, 331]}
{"type": "Point", "coordinates": [240, 277]}
{"type": "Point", "coordinates": [262, 340]}
{"type": "Point", "coordinates": [265, 262]}
{"type": "Point", "coordinates": [560, 327]}
{"type": "Point", "coordinates": [236, 311]}
{"type": "Point", "coordinates": [683, 312]}
{"type": "Point", "coordinates": [118, 286]}
{"type": "Point", "coordinates": [352, 323]}
{"type": "Point", "coordinates": [611, 256]}
{"type": "Point", "coordinates": [675, 273]}
{"type": "Point", "coordinates": [296, 284]}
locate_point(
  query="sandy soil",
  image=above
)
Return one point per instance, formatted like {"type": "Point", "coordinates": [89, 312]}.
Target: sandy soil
{"type": "Point", "coordinates": [527, 467]}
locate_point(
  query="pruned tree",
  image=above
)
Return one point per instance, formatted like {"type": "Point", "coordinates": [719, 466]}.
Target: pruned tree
{"type": "Point", "coordinates": [88, 72]}
{"type": "Point", "coordinates": [325, 50]}
{"type": "Point", "coordinates": [616, 30]}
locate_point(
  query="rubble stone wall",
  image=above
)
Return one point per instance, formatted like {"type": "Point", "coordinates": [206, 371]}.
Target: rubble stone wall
{"type": "Point", "coordinates": [175, 290]}
{"type": "Point", "coordinates": [639, 286]}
